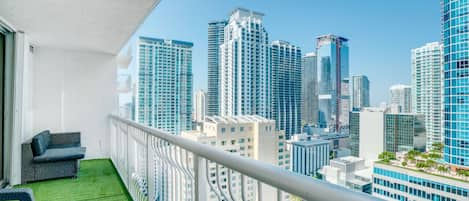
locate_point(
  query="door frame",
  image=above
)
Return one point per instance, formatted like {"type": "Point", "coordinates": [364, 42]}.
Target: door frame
{"type": "Point", "coordinates": [8, 102]}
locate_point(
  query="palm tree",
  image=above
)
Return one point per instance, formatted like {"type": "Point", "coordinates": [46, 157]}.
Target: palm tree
{"type": "Point", "coordinates": [442, 168]}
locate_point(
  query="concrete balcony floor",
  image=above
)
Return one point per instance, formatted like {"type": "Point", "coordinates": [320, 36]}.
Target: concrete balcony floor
{"type": "Point", "coordinates": [98, 180]}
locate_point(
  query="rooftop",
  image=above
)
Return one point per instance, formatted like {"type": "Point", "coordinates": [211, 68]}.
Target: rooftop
{"type": "Point", "coordinates": [348, 159]}
{"type": "Point", "coordinates": [310, 142]}
{"type": "Point", "coordinates": [169, 41]}
{"type": "Point", "coordinates": [237, 119]}
{"type": "Point", "coordinates": [425, 163]}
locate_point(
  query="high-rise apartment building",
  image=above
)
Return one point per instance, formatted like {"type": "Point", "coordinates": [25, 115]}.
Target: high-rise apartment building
{"type": "Point", "coordinates": [309, 93]}
{"type": "Point", "coordinates": [216, 37]}
{"type": "Point", "coordinates": [427, 64]}
{"type": "Point", "coordinates": [455, 34]}
{"type": "Point", "coordinates": [286, 87]}
{"type": "Point", "coordinates": [308, 155]}
{"type": "Point", "coordinates": [401, 98]}
{"type": "Point", "coordinates": [164, 88]}
{"type": "Point", "coordinates": [360, 91]}
{"type": "Point", "coordinates": [333, 82]}
{"type": "Point", "coordinates": [245, 67]}
{"type": "Point", "coordinates": [250, 136]}
{"type": "Point", "coordinates": [200, 106]}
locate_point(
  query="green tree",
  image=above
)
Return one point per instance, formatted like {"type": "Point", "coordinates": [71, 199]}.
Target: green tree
{"type": "Point", "coordinates": [430, 163]}
{"type": "Point", "coordinates": [404, 163]}
{"type": "Point", "coordinates": [387, 156]}
{"type": "Point", "coordinates": [434, 155]}
{"type": "Point", "coordinates": [413, 153]}
{"type": "Point", "coordinates": [437, 147]}
{"type": "Point", "coordinates": [442, 168]}
{"type": "Point", "coordinates": [421, 165]}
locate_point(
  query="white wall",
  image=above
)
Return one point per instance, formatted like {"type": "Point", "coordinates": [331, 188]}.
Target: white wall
{"type": "Point", "coordinates": [75, 91]}
{"type": "Point", "coordinates": [371, 135]}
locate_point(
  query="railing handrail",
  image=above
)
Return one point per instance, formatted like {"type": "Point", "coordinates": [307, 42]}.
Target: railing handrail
{"type": "Point", "coordinates": [290, 182]}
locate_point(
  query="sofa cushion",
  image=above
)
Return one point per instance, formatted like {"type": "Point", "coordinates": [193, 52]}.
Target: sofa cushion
{"type": "Point", "coordinates": [61, 154]}
{"type": "Point", "coordinates": [40, 143]}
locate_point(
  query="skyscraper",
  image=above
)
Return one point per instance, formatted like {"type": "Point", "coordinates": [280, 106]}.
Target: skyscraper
{"type": "Point", "coordinates": [245, 67]}
{"type": "Point", "coordinates": [401, 98]}
{"type": "Point", "coordinates": [200, 106]}
{"type": "Point", "coordinates": [164, 91]}
{"type": "Point", "coordinates": [360, 91]}
{"type": "Point", "coordinates": [216, 31]}
{"type": "Point", "coordinates": [333, 82]}
{"type": "Point", "coordinates": [309, 94]}
{"type": "Point", "coordinates": [455, 34]}
{"type": "Point", "coordinates": [286, 87]}
{"type": "Point", "coordinates": [426, 88]}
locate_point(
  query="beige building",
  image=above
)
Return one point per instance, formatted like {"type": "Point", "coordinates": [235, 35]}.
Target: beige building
{"type": "Point", "coordinates": [250, 136]}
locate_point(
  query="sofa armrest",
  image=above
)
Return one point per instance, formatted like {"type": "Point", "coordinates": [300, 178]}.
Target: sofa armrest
{"type": "Point", "coordinates": [27, 167]}
{"type": "Point", "coordinates": [21, 194]}
{"type": "Point", "coordinates": [71, 138]}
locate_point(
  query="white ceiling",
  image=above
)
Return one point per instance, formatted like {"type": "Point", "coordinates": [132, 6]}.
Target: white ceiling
{"type": "Point", "coordinates": [90, 25]}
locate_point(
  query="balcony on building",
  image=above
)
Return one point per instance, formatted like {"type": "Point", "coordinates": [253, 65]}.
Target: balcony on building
{"type": "Point", "coordinates": [61, 60]}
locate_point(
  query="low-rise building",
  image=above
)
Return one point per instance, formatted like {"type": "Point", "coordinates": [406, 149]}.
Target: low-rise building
{"type": "Point", "coordinates": [349, 172]}
{"type": "Point", "coordinates": [308, 154]}
{"type": "Point", "coordinates": [418, 177]}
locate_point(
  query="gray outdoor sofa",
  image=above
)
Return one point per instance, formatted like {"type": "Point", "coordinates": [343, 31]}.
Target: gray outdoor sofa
{"type": "Point", "coordinates": [20, 194]}
{"type": "Point", "coordinates": [51, 155]}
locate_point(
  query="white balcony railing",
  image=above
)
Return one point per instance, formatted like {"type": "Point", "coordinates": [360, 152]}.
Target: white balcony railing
{"type": "Point", "coordinates": [155, 165]}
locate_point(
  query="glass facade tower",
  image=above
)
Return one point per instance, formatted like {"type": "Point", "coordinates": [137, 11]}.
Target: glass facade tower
{"type": "Point", "coordinates": [309, 93]}
{"type": "Point", "coordinates": [215, 39]}
{"type": "Point", "coordinates": [360, 91]}
{"type": "Point", "coordinates": [333, 82]}
{"type": "Point", "coordinates": [286, 87]}
{"type": "Point", "coordinates": [164, 89]}
{"type": "Point", "coordinates": [455, 32]}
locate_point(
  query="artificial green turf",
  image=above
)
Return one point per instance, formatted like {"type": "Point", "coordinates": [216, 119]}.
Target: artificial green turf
{"type": "Point", "coordinates": [97, 180]}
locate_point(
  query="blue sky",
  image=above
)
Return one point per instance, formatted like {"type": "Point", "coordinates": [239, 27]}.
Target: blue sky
{"type": "Point", "coordinates": [381, 33]}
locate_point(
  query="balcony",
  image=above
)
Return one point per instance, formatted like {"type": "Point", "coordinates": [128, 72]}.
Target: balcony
{"type": "Point", "coordinates": [61, 75]}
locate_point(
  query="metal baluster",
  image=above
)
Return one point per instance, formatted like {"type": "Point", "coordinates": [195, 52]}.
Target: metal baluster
{"type": "Point", "coordinates": [198, 183]}
{"type": "Point", "coordinates": [259, 190]}
{"type": "Point", "coordinates": [279, 195]}
{"type": "Point", "coordinates": [207, 175]}
{"type": "Point", "coordinates": [230, 191]}
{"type": "Point", "coordinates": [217, 169]}
{"type": "Point", "coordinates": [243, 190]}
